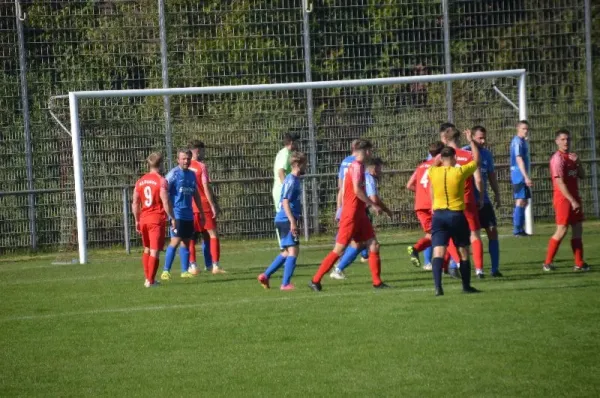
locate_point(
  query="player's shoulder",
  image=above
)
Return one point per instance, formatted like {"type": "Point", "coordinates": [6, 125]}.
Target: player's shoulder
{"type": "Point", "coordinates": [349, 159]}
{"type": "Point", "coordinates": [463, 155]}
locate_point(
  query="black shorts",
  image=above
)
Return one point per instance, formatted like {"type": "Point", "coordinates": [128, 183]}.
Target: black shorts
{"type": "Point", "coordinates": [449, 224]}
{"type": "Point", "coordinates": [184, 229]}
{"type": "Point", "coordinates": [487, 216]}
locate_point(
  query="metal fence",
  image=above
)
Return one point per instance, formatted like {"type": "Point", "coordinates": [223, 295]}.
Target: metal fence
{"type": "Point", "coordinates": [50, 48]}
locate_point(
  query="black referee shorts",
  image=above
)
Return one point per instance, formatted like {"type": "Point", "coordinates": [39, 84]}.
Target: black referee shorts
{"type": "Point", "coordinates": [449, 224]}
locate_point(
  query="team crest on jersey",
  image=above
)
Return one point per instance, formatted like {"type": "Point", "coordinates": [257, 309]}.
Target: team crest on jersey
{"type": "Point", "coordinates": [572, 173]}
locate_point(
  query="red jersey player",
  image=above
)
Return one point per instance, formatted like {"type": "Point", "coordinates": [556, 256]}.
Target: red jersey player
{"type": "Point", "coordinates": [149, 204]}
{"type": "Point", "coordinates": [419, 183]}
{"type": "Point", "coordinates": [565, 170]}
{"type": "Point", "coordinates": [355, 228]}
{"type": "Point", "coordinates": [449, 135]}
{"type": "Point", "coordinates": [208, 226]}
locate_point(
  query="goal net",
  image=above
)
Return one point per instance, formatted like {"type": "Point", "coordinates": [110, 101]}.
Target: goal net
{"type": "Point", "coordinates": [112, 133]}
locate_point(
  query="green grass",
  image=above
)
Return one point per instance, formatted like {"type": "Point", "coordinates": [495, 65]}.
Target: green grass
{"type": "Point", "coordinates": [91, 330]}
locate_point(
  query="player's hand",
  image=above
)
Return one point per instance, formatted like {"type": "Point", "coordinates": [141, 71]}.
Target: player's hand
{"type": "Point", "coordinates": [528, 182]}
{"type": "Point", "coordinates": [481, 202]}
{"type": "Point", "coordinates": [377, 209]}
{"type": "Point", "coordinates": [173, 225]}
{"type": "Point", "coordinates": [215, 211]}
{"type": "Point", "coordinates": [497, 201]}
{"type": "Point", "coordinates": [575, 205]}
{"type": "Point", "coordinates": [294, 228]}
{"type": "Point", "coordinates": [468, 135]}
{"type": "Point", "coordinates": [573, 157]}
{"type": "Point", "coordinates": [137, 227]}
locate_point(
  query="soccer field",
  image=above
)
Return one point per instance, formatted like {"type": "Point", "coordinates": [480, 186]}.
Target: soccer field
{"type": "Point", "coordinates": [90, 330]}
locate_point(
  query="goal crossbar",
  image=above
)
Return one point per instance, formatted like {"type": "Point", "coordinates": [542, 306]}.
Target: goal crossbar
{"type": "Point", "coordinates": [75, 96]}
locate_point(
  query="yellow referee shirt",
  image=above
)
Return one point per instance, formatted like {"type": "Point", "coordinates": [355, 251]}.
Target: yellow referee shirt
{"type": "Point", "coordinates": [448, 185]}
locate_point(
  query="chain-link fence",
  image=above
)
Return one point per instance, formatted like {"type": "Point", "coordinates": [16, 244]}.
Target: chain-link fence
{"type": "Point", "coordinates": [97, 45]}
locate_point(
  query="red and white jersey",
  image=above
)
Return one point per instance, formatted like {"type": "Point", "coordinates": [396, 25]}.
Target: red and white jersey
{"type": "Point", "coordinates": [561, 166]}
{"type": "Point", "coordinates": [352, 204]}
{"type": "Point", "coordinates": [148, 189]}
{"type": "Point", "coordinates": [422, 190]}
{"type": "Point", "coordinates": [201, 172]}
{"type": "Point", "coordinates": [462, 158]}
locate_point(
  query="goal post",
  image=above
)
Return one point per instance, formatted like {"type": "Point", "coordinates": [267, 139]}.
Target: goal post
{"type": "Point", "coordinates": [75, 128]}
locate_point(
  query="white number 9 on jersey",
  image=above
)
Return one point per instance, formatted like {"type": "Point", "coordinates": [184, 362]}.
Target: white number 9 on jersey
{"type": "Point", "coordinates": [148, 196]}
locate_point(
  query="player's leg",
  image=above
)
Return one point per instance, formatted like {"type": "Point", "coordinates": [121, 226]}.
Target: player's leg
{"type": "Point", "coordinates": [170, 252]}
{"type": "Point", "coordinates": [215, 247]}
{"type": "Point", "coordinates": [290, 266]}
{"type": "Point", "coordinates": [439, 238]}
{"type": "Point", "coordinates": [206, 251]}
{"type": "Point", "coordinates": [192, 246]}
{"type": "Point", "coordinates": [521, 196]}
{"type": "Point", "coordinates": [460, 236]}
{"type": "Point", "coordinates": [424, 243]}
{"type": "Point", "coordinates": [472, 216]}
{"type": "Point", "coordinates": [350, 254]}
{"type": "Point", "coordinates": [577, 247]}
{"type": "Point", "coordinates": [487, 218]}
{"type": "Point", "coordinates": [156, 243]}
{"type": "Point", "coordinates": [284, 230]}
{"type": "Point", "coordinates": [561, 213]}
{"type": "Point", "coordinates": [375, 263]}
{"type": "Point", "coordinates": [344, 237]}
{"type": "Point", "coordinates": [146, 254]}
{"type": "Point", "coordinates": [451, 260]}
{"type": "Point", "coordinates": [186, 232]}
{"type": "Point", "coordinates": [427, 256]}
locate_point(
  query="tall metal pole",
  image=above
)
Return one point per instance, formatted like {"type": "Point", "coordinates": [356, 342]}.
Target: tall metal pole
{"type": "Point", "coordinates": [26, 124]}
{"type": "Point", "coordinates": [306, 9]}
{"type": "Point", "coordinates": [165, 80]}
{"type": "Point", "coordinates": [448, 60]}
{"type": "Point", "coordinates": [522, 87]}
{"type": "Point", "coordinates": [590, 98]}
{"type": "Point", "coordinates": [126, 237]}
{"type": "Point", "coordinates": [78, 177]}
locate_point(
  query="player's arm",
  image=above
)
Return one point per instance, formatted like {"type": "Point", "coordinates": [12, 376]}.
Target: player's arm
{"type": "Point", "coordinates": [198, 201]}
{"type": "Point", "coordinates": [521, 164]}
{"type": "Point", "coordinates": [560, 182]}
{"type": "Point", "coordinates": [580, 169]}
{"type": "Point", "coordinates": [360, 192]}
{"type": "Point", "coordinates": [288, 212]}
{"type": "Point", "coordinates": [377, 200]}
{"type": "Point", "coordinates": [210, 197]}
{"type": "Point", "coordinates": [340, 194]}
{"type": "Point", "coordinates": [136, 209]}
{"type": "Point", "coordinates": [166, 201]}
{"type": "Point", "coordinates": [411, 185]}
{"type": "Point", "coordinates": [495, 188]}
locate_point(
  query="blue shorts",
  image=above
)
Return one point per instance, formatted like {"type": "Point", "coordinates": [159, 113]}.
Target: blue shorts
{"type": "Point", "coordinates": [286, 236]}
{"type": "Point", "coordinates": [449, 224]}
{"type": "Point", "coordinates": [184, 229]}
{"type": "Point", "coordinates": [487, 216]}
{"type": "Point", "coordinates": [521, 191]}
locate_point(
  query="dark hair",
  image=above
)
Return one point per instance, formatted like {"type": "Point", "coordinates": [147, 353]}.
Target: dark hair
{"type": "Point", "coordinates": [561, 132]}
{"type": "Point", "coordinates": [298, 158]}
{"type": "Point", "coordinates": [374, 162]}
{"type": "Point", "coordinates": [184, 150]}
{"type": "Point", "coordinates": [448, 152]}
{"type": "Point", "coordinates": [363, 145]}
{"type": "Point", "coordinates": [450, 131]}
{"type": "Point", "coordinates": [289, 138]}
{"type": "Point", "coordinates": [520, 122]}
{"type": "Point", "coordinates": [478, 128]}
{"type": "Point", "coordinates": [353, 144]}
{"type": "Point", "coordinates": [446, 126]}
{"type": "Point", "coordinates": [196, 144]}
{"type": "Point", "coordinates": [435, 148]}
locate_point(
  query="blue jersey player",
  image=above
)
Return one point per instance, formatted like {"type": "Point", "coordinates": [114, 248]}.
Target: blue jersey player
{"type": "Point", "coordinates": [288, 214]}
{"type": "Point", "coordinates": [487, 215]}
{"type": "Point", "coordinates": [182, 191]}
{"type": "Point", "coordinates": [519, 176]}
{"type": "Point", "coordinates": [372, 174]}
{"type": "Point", "coordinates": [341, 174]}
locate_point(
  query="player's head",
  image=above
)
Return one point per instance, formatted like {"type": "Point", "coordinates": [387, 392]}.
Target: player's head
{"type": "Point", "coordinates": [198, 149]}
{"type": "Point", "coordinates": [184, 157]}
{"type": "Point", "coordinates": [479, 135]}
{"type": "Point", "coordinates": [449, 134]}
{"type": "Point", "coordinates": [155, 161]}
{"type": "Point", "coordinates": [523, 128]}
{"type": "Point", "coordinates": [362, 150]}
{"type": "Point", "coordinates": [353, 145]}
{"type": "Point", "coordinates": [298, 161]}
{"type": "Point", "coordinates": [375, 166]}
{"type": "Point", "coordinates": [563, 140]}
{"type": "Point", "coordinates": [435, 148]}
{"type": "Point", "coordinates": [448, 155]}
{"type": "Point", "coordinates": [290, 141]}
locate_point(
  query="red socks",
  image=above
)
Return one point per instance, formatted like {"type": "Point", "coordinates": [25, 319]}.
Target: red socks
{"type": "Point", "coordinates": [375, 266]}
{"type": "Point", "coordinates": [192, 248]}
{"type": "Point", "coordinates": [577, 246]}
{"type": "Point", "coordinates": [326, 265]}
{"type": "Point", "coordinates": [422, 244]}
{"type": "Point", "coordinates": [453, 252]}
{"type": "Point", "coordinates": [153, 267]}
{"type": "Point", "coordinates": [146, 265]}
{"type": "Point", "coordinates": [215, 250]}
{"type": "Point", "coordinates": [477, 246]}
{"type": "Point", "coordinates": [553, 246]}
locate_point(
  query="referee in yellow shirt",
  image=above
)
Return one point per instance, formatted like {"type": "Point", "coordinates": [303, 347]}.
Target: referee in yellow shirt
{"type": "Point", "coordinates": [447, 195]}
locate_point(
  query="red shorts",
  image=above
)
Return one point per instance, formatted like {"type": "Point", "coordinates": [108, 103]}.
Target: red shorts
{"type": "Point", "coordinates": [358, 229]}
{"type": "Point", "coordinates": [472, 214]}
{"type": "Point", "coordinates": [209, 222]}
{"type": "Point", "coordinates": [424, 216]}
{"type": "Point", "coordinates": [153, 235]}
{"type": "Point", "coordinates": [565, 215]}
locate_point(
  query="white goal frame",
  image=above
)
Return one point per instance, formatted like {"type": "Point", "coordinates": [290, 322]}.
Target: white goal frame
{"type": "Point", "coordinates": [75, 96]}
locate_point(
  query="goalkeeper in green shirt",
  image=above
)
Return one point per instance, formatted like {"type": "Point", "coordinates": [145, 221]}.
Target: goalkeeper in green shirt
{"type": "Point", "coordinates": [282, 165]}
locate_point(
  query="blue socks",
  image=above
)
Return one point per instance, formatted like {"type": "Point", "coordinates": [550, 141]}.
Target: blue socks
{"type": "Point", "coordinates": [288, 270]}
{"type": "Point", "coordinates": [365, 253]}
{"type": "Point", "coordinates": [169, 257]}
{"type": "Point", "coordinates": [349, 256]}
{"type": "Point", "coordinates": [453, 264]}
{"type": "Point", "coordinates": [494, 249]}
{"type": "Point", "coordinates": [518, 220]}
{"type": "Point", "coordinates": [184, 256]}
{"type": "Point", "coordinates": [206, 253]}
{"type": "Point", "coordinates": [427, 255]}
{"type": "Point", "coordinates": [278, 262]}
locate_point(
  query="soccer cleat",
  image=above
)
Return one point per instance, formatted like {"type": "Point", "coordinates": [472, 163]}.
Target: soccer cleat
{"type": "Point", "coordinates": [337, 274]}
{"type": "Point", "coordinates": [216, 270]}
{"type": "Point", "coordinates": [382, 286]}
{"type": "Point", "coordinates": [470, 290]}
{"type": "Point", "coordinates": [364, 260]}
{"type": "Point", "coordinates": [427, 267]}
{"type": "Point", "coordinates": [479, 274]}
{"type": "Point", "coordinates": [496, 274]}
{"type": "Point", "coordinates": [165, 276]}
{"type": "Point", "coordinates": [583, 268]}
{"type": "Point", "coordinates": [454, 273]}
{"type": "Point", "coordinates": [549, 267]}
{"type": "Point", "coordinates": [287, 287]}
{"type": "Point", "coordinates": [187, 275]}
{"type": "Point", "coordinates": [193, 269]}
{"type": "Point", "coordinates": [315, 286]}
{"type": "Point", "coordinates": [439, 291]}
{"type": "Point", "coordinates": [414, 256]}
{"type": "Point", "coordinates": [264, 281]}
{"type": "Point", "coordinates": [521, 234]}
{"type": "Point", "coordinates": [147, 283]}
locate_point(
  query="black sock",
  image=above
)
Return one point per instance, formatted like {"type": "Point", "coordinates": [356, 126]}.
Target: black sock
{"type": "Point", "coordinates": [436, 266]}
{"type": "Point", "coordinates": [465, 273]}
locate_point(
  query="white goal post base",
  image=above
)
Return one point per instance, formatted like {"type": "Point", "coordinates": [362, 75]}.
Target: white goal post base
{"type": "Point", "coordinates": [74, 98]}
